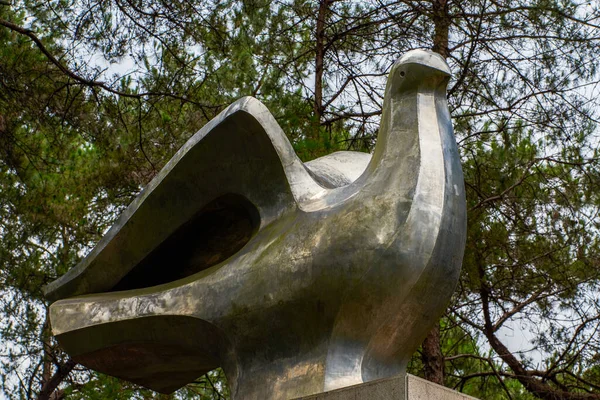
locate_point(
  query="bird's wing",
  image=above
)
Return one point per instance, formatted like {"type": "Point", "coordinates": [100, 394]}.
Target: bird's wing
{"type": "Point", "coordinates": [338, 169]}
{"type": "Point", "coordinates": [238, 173]}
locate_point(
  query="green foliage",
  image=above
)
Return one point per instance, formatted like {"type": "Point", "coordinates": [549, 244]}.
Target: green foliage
{"type": "Point", "coordinates": [212, 386]}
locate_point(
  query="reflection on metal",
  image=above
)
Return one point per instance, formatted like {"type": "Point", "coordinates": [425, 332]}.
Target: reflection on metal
{"type": "Point", "coordinates": [295, 278]}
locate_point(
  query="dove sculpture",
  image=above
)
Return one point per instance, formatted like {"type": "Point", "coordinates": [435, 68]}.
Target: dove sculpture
{"type": "Point", "coordinates": [295, 278]}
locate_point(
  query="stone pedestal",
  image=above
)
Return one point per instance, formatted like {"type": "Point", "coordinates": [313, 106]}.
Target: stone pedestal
{"type": "Point", "coordinates": [404, 387]}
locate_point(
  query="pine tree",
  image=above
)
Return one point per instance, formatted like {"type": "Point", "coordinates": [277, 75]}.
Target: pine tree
{"type": "Point", "coordinates": [77, 143]}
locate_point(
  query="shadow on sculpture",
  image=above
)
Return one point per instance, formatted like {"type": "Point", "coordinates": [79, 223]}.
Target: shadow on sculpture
{"type": "Point", "coordinates": [295, 278]}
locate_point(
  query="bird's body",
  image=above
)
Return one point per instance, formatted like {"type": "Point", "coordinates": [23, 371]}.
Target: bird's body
{"type": "Point", "coordinates": [294, 278]}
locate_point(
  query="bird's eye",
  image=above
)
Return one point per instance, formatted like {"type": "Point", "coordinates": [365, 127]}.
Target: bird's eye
{"type": "Point", "coordinates": [402, 73]}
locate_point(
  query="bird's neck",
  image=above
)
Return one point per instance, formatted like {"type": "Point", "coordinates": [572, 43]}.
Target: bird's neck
{"type": "Point", "coordinates": [411, 159]}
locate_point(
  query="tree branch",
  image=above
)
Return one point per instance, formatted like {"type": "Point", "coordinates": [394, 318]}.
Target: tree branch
{"type": "Point", "coordinates": [90, 82]}
{"type": "Point", "coordinates": [536, 386]}
{"type": "Point", "coordinates": [52, 384]}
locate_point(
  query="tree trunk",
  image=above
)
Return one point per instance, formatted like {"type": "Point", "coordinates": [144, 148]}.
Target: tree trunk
{"type": "Point", "coordinates": [431, 355]}
{"type": "Point", "coordinates": [320, 57]}
{"type": "Point", "coordinates": [47, 362]}
{"type": "Point", "coordinates": [441, 22]}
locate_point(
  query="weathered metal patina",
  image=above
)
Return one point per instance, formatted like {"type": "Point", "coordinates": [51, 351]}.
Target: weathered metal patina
{"type": "Point", "coordinates": [295, 278]}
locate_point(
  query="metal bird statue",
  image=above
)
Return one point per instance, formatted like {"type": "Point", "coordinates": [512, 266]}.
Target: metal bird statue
{"type": "Point", "coordinates": [294, 278]}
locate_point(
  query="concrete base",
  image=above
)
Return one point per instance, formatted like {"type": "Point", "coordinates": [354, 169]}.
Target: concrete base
{"type": "Point", "coordinates": [403, 387]}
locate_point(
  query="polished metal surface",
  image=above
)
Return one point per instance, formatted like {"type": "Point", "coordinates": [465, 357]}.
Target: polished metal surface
{"type": "Point", "coordinates": [295, 278]}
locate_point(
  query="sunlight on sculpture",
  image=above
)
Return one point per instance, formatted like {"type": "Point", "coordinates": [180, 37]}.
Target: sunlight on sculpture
{"type": "Point", "coordinates": [294, 278]}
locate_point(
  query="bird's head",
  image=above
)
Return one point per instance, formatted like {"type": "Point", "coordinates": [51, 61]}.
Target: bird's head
{"type": "Point", "coordinates": [418, 70]}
